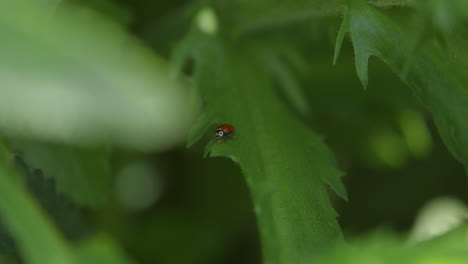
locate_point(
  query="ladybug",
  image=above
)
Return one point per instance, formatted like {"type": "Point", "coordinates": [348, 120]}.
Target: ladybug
{"type": "Point", "coordinates": [224, 130]}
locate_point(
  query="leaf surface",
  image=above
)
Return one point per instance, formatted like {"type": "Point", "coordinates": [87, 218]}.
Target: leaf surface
{"type": "Point", "coordinates": [285, 164]}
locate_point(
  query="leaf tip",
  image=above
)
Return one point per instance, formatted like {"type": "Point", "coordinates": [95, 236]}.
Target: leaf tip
{"type": "Point", "coordinates": [362, 62]}
{"type": "Point", "coordinates": [208, 149]}
{"type": "Point", "coordinates": [344, 28]}
{"type": "Point", "coordinates": [364, 82]}
{"type": "Point", "coordinates": [199, 128]}
{"type": "Point", "coordinates": [336, 184]}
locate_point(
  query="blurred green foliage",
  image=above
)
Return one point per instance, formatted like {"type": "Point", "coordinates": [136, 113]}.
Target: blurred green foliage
{"type": "Point", "coordinates": [98, 99]}
{"type": "Point", "coordinates": [75, 78]}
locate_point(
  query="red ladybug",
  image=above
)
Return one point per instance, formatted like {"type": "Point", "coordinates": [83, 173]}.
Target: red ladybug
{"type": "Point", "coordinates": [224, 130]}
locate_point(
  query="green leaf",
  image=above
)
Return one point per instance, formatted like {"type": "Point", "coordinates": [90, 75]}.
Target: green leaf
{"type": "Point", "coordinates": [67, 217]}
{"type": "Point", "coordinates": [344, 29]}
{"type": "Point", "coordinates": [385, 247]}
{"type": "Point", "coordinates": [286, 165]}
{"type": "Point", "coordinates": [74, 77]}
{"type": "Point", "coordinates": [37, 239]}
{"type": "Point", "coordinates": [196, 133]}
{"type": "Point", "coordinates": [288, 83]}
{"type": "Point", "coordinates": [436, 80]}
{"type": "Point", "coordinates": [83, 174]}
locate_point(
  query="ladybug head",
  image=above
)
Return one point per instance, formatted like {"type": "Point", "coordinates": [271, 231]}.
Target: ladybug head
{"type": "Point", "coordinates": [219, 134]}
